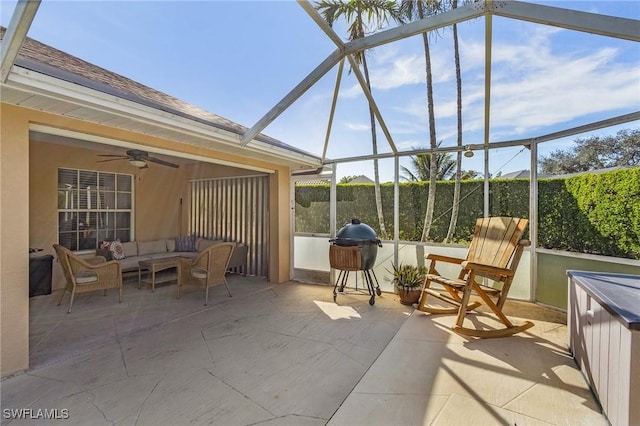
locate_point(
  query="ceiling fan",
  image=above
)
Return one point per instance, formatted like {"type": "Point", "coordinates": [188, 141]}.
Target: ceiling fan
{"type": "Point", "coordinates": [137, 158]}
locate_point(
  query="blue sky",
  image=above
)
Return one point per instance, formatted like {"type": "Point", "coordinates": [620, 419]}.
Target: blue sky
{"type": "Point", "coordinates": [239, 58]}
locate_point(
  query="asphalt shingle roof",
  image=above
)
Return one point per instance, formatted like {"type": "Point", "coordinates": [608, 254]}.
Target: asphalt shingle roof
{"type": "Point", "coordinates": [48, 60]}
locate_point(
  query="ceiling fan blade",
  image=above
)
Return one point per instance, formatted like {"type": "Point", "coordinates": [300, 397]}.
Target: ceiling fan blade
{"type": "Point", "coordinates": [113, 155]}
{"type": "Point", "coordinates": [164, 163]}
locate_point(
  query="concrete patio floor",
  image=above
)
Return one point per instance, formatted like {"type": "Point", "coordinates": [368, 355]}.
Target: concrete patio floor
{"type": "Point", "coordinates": [286, 355]}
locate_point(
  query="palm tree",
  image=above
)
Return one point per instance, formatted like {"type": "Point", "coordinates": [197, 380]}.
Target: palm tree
{"type": "Point", "coordinates": [347, 179]}
{"type": "Point", "coordinates": [470, 175]}
{"type": "Point", "coordinates": [360, 14]}
{"type": "Point", "coordinates": [421, 165]}
{"type": "Point", "coordinates": [419, 9]}
{"type": "Point", "coordinates": [458, 176]}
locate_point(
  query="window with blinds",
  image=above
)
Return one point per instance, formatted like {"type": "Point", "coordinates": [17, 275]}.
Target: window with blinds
{"type": "Point", "coordinates": [93, 207]}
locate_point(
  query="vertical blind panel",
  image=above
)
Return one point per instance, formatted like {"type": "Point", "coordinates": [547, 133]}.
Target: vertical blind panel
{"type": "Point", "coordinates": [234, 209]}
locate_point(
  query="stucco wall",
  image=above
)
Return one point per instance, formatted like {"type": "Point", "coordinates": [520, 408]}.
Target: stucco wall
{"type": "Point", "coordinates": [14, 241]}
{"type": "Point", "coordinates": [157, 192]}
{"type": "Point", "coordinates": [28, 204]}
{"type": "Point", "coordinates": [279, 232]}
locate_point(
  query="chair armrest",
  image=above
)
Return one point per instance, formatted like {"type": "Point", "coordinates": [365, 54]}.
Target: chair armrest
{"type": "Point", "coordinates": [478, 267]}
{"type": "Point", "coordinates": [105, 265]}
{"type": "Point", "coordinates": [111, 270]}
{"type": "Point", "coordinates": [79, 264]}
{"type": "Point", "coordinates": [199, 261]}
{"type": "Point", "coordinates": [97, 260]}
{"type": "Point", "coordinates": [440, 258]}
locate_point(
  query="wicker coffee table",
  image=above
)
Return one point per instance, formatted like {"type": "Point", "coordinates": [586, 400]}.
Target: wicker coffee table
{"type": "Point", "coordinates": [157, 265]}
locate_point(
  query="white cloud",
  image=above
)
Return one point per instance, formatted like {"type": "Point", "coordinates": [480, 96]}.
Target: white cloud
{"type": "Point", "coordinates": [351, 92]}
{"type": "Point", "coordinates": [538, 82]}
{"type": "Point", "coordinates": [358, 127]}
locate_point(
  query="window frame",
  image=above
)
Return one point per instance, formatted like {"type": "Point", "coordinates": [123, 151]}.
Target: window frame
{"type": "Point", "coordinates": [109, 200]}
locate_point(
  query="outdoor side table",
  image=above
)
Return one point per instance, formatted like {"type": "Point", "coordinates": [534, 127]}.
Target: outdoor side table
{"type": "Point", "coordinates": [157, 265]}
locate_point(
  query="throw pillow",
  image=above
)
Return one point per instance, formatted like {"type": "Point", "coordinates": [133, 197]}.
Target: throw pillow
{"type": "Point", "coordinates": [116, 249]}
{"type": "Point", "coordinates": [187, 243]}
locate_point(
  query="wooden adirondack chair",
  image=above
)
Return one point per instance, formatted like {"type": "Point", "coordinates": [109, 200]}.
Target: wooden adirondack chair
{"type": "Point", "coordinates": [493, 255]}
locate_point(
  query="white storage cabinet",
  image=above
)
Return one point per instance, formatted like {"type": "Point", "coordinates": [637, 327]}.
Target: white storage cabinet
{"type": "Point", "coordinates": [603, 321]}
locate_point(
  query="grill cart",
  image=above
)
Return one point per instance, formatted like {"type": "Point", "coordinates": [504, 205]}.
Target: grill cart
{"type": "Point", "coordinates": [355, 248]}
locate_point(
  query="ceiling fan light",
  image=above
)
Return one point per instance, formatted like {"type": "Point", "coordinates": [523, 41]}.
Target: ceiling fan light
{"type": "Point", "coordinates": [135, 162]}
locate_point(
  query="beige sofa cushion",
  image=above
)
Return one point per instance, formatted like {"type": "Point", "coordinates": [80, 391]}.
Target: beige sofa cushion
{"type": "Point", "coordinates": [130, 248]}
{"type": "Point", "coordinates": [149, 247]}
{"type": "Point", "coordinates": [171, 244]}
{"type": "Point", "coordinates": [203, 243]}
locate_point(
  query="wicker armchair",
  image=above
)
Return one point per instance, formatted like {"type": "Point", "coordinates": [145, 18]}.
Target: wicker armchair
{"type": "Point", "coordinates": [208, 269]}
{"type": "Point", "coordinates": [82, 276]}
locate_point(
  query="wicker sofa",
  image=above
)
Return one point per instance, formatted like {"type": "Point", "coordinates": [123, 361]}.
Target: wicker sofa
{"type": "Point", "coordinates": [135, 251]}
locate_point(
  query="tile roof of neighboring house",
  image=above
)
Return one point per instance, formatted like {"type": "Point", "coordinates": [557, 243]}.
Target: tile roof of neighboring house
{"type": "Point", "coordinates": [47, 60]}
{"type": "Point", "coordinates": [314, 182]}
{"type": "Point", "coordinates": [525, 174]}
{"type": "Point", "coordinates": [357, 179]}
{"type": "Point", "coordinates": [520, 174]}
{"type": "Point", "coordinates": [566, 175]}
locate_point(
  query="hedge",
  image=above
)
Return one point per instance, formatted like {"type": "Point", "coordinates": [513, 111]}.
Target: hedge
{"type": "Point", "coordinates": [591, 213]}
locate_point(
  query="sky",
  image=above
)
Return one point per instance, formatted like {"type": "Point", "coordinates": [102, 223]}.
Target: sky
{"type": "Point", "coordinates": [238, 59]}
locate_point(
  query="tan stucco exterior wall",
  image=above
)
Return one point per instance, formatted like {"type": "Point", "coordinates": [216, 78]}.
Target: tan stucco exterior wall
{"type": "Point", "coordinates": [279, 231]}
{"type": "Point", "coordinates": [157, 193]}
{"type": "Point", "coordinates": [28, 209]}
{"type": "Point", "coordinates": [14, 240]}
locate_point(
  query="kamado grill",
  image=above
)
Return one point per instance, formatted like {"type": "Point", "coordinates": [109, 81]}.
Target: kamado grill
{"type": "Point", "coordinates": [355, 248]}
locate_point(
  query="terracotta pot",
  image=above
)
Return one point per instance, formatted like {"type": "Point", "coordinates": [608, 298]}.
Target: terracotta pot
{"type": "Point", "coordinates": [409, 296]}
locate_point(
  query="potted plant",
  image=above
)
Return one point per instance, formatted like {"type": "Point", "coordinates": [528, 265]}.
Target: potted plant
{"type": "Point", "coordinates": [408, 280]}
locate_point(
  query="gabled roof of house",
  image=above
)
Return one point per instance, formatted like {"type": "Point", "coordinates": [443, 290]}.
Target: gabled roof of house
{"type": "Point", "coordinates": [44, 59]}
{"type": "Point", "coordinates": [361, 179]}
{"type": "Point", "coordinates": [519, 174]}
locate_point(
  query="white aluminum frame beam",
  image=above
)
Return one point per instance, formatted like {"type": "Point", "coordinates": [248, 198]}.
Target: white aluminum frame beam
{"type": "Point", "coordinates": [614, 121]}
{"type": "Point", "coordinates": [319, 20]}
{"type": "Point", "coordinates": [610, 26]}
{"type": "Point", "coordinates": [15, 34]}
{"type": "Point", "coordinates": [334, 101]}
{"type": "Point", "coordinates": [293, 95]}
{"type": "Point", "coordinates": [313, 13]}
{"type": "Point", "coordinates": [434, 22]}
{"type": "Point", "coordinates": [488, 50]}
{"type": "Point", "coordinates": [372, 102]}
{"type": "Point", "coordinates": [468, 12]}
{"type": "Point", "coordinates": [308, 81]}
{"type": "Point", "coordinates": [299, 90]}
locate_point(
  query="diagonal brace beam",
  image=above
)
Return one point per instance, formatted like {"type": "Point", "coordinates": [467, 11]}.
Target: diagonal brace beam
{"type": "Point", "coordinates": [372, 102]}
{"type": "Point", "coordinates": [292, 96]}
{"type": "Point", "coordinates": [305, 84]}
{"type": "Point", "coordinates": [610, 26]}
{"type": "Point", "coordinates": [15, 34]}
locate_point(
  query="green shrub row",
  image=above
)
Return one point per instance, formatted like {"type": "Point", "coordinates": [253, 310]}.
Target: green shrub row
{"type": "Point", "coordinates": [590, 213]}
